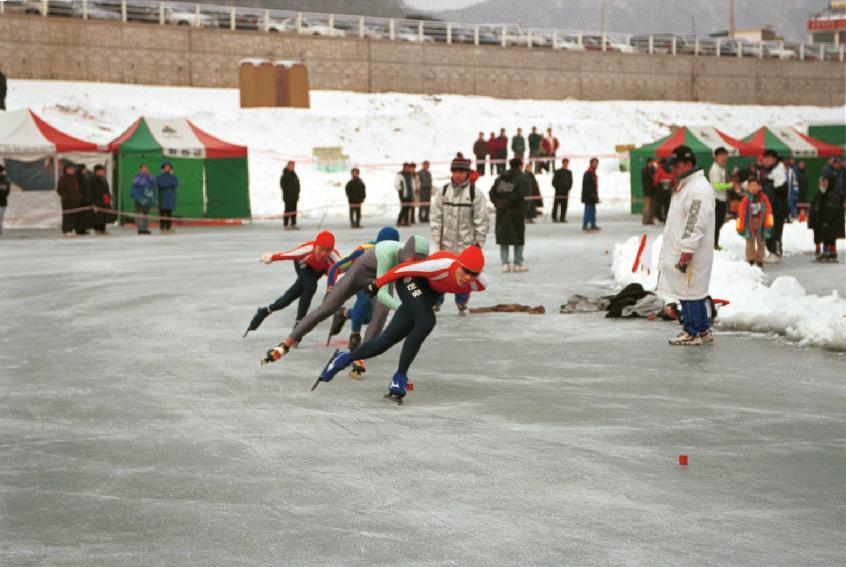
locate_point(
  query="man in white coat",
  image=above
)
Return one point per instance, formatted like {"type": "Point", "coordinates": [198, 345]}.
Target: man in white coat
{"type": "Point", "coordinates": [687, 253]}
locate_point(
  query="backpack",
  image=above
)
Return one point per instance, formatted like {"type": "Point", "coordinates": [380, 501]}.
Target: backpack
{"type": "Point", "coordinates": [472, 191]}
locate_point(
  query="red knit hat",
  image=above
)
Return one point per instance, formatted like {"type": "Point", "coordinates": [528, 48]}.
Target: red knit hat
{"type": "Point", "coordinates": [325, 239]}
{"type": "Point", "coordinates": [472, 258]}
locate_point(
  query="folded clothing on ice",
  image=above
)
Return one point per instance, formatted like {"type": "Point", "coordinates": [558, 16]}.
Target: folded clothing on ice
{"type": "Point", "coordinates": [510, 308]}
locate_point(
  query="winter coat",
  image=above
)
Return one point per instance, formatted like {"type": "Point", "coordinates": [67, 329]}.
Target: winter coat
{"type": "Point", "coordinates": [646, 175]}
{"type": "Point", "coordinates": [719, 181]}
{"type": "Point", "coordinates": [356, 192]}
{"type": "Point", "coordinates": [5, 189]}
{"type": "Point", "coordinates": [590, 187]}
{"type": "Point", "coordinates": [518, 145]}
{"type": "Point", "coordinates": [508, 195]}
{"type": "Point", "coordinates": [2, 85]}
{"type": "Point", "coordinates": [480, 149]}
{"type": "Point", "coordinates": [167, 183]}
{"type": "Point", "coordinates": [103, 200]}
{"type": "Point", "coordinates": [290, 184]}
{"type": "Point", "coordinates": [775, 188]}
{"type": "Point", "coordinates": [826, 215]}
{"type": "Point", "coordinates": [425, 178]}
{"type": "Point", "coordinates": [802, 181]}
{"type": "Point", "coordinates": [689, 228]}
{"type": "Point", "coordinates": [744, 217]}
{"type": "Point", "coordinates": [143, 190]}
{"type": "Point", "coordinates": [550, 146]}
{"type": "Point", "coordinates": [534, 190]}
{"type": "Point", "coordinates": [86, 187]}
{"type": "Point", "coordinates": [502, 147]}
{"type": "Point", "coordinates": [458, 220]}
{"type": "Point", "coordinates": [663, 180]}
{"type": "Point", "coordinates": [562, 181]}
{"type": "Point", "coordinates": [405, 184]}
{"type": "Point", "coordinates": [534, 144]}
{"type": "Point", "coordinates": [68, 190]}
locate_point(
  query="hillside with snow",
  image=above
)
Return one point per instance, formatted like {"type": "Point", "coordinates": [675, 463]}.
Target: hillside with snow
{"type": "Point", "coordinates": [380, 131]}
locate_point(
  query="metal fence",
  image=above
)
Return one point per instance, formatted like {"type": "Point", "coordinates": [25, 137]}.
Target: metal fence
{"type": "Point", "coordinates": [419, 31]}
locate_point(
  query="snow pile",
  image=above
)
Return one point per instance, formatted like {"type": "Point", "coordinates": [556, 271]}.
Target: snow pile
{"type": "Point", "coordinates": [782, 307]}
{"type": "Point", "coordinates": [380, 131]}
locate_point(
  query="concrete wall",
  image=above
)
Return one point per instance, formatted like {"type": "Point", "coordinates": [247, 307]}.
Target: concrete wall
{"type": "Point", "coordinates": [58, 48]}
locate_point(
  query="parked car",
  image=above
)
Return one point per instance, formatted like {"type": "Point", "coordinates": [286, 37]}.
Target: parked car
{"type": "Point", "coordinates": [182, 17]}
{"type": "Point", "coordinates": [307, 26]}
{"type": "Point", "coordinates": [568, 43]}
{"type": "Point", "coordinates": [405, 33]}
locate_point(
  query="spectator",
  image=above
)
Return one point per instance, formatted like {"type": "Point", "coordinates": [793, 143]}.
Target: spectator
{"type": "Point", "coordinates": [102, 200]}
{"type": "Point", "coordinates": [167, 183]}
{"type": "Point", "coordinates": [356, 193]}
{"type": "Point", "coordinates": [459, 216]}
{"type": "Point", "coordinates": [826, 218]}
{"type": "Point", "coordinates": [663, 183]}
{"type": "Point", "coordinates": [534, 198]}
{"type": "Point", "coordinates": [687, 253]}
{"type": "Point", "coordinates": [143, 192]}
{"type": "Point", "coordinates": [721, 185]}
{"type": "Point", "coordinates": [775, 186]}
{"type": "Point", "coordinates": [290, 184]}
{"type": "Point", "coordinates": [415, 193]}
{"type": "Point", "coordinates": [590, 195]}
{"type": "Point", "coordinates": [802, 182]}
{"type": "Point", "coordinates": [480, 150]}
{"type": "Point", "coordinates": [501, 151]}
{"type": "Point", "coordinates": [562, 182]}
{"type": "Point", "coordinates": [492, 149]}
{"type": "Point", "coordinates": [792, 189]}
{"type": "Point", "coordinates": [518, 144]}
{"type": "Point", "coordinates": [424, 178]}
{"type": "Point", "coordinates": [549, 145]}
{"type": "Point", "coordinates": [534, 145]}
{"type": "Point", "coordinates": [71, 197]}
{"type": "Point", "coordinates": [5, 189]}
{"type": "Point", "coordinates": [508, 195]}
{"type": "Point", "coordinates": [839, 177]}
{"type": "Point", "coordinates": [2, 89]}
{"type": "Point", "coordinates": [754, 221]}
{"type": "Point", "coordinates": [86, 189]}
{"type": "Point", "coordinates": [646, 176]}
{"type": "Point", "coordinates": [404, 184]}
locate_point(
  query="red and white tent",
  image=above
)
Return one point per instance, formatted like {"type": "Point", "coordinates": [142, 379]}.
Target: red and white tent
{"type": "Point", "coordinates": [32, 151]}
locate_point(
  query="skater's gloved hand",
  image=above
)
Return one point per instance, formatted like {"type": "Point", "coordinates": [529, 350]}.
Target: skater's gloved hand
{"type": "Point", "coordinates": [266, 258]}
{"type": "Point", "coordinates": [372, 289]}
{"type": "Point", "coordinates": [684, 261]}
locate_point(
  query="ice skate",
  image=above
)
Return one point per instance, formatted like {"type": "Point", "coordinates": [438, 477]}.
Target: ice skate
{"type": "Point", "coordinates": [276, 353]}
{"type": "Point", "coordinates": [355, 340]}
{"type": "Point", "coordinates": [358, 370]}
{"type": "Point", "coordinates": [338, 320]}
{"type": "Point", "coordinates": [261, 315]}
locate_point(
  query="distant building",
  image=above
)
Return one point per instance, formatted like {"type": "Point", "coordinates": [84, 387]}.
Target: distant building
{"type": "Point", "coordinates": [829, 26]}
{"type": "Point", "coordinates": [766, 33]}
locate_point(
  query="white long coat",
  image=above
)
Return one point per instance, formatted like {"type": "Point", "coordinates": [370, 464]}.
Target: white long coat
{"type": "Point", "coordinates": [689, 228]}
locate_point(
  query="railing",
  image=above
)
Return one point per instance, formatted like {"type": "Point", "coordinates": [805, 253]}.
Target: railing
{"type": "Point", "coordinates": [419, 31]}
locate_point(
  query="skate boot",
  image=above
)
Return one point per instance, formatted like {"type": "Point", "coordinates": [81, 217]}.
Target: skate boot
{"type": "Point", "coordinates": [358, 370]}
{"type": "Point", "coordinates": [276, 353]}
{"type": "Point", "coordinates": [397, 390]}
{"type": "Point", "coordinates": [683, 339]}
{"type": "Point", "coordinates": [355, 340]}
{"type": "Point", "coordinates": [261, 315]}
{"type": "Point", "coordinates": [338, 320]}
{"type": "Point", "coordinates": [338, 362]}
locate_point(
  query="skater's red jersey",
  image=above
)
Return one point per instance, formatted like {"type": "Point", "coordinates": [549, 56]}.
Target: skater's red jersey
{"type": "Point", "coordinates": [439, 269]}
{"type": "Point", "coordinates": [305, 253]}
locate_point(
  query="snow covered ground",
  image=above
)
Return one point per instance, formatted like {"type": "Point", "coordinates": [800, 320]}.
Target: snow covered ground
{"type": "Point", "coordinates": [759, 302]}
{"type": "Point", "coordinates": [380, 131]}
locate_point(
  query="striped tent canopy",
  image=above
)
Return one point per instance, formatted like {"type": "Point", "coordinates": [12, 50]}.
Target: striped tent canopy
{"type": "Point", "coordinates": [703, 140]}
{"type": "Point", "coordinates": [174, 138]}
{"type": "Point", "coordinates": [789, 141]}
{"type": "Point", "coordinates": [24, 134]}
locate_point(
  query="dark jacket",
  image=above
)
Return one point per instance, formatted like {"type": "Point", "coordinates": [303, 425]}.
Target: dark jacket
{"type": "Point", "coordinates": [68, 190]}
{"type": "Point", "coordinates": [86, 187]}
{"type": "Point", "coordinates": [2, 85]}
{"type": "Point", "coordinates": [646, 175]}
{"type": "Point", "coordinates": [502, 147]}
{"type": "Point", "coordinates": [5, 189]}
{"type": "Point", "coordinates": [590, 188]}
{"type": "Point", "coordinates": [518, 144]}
{"type": "Point", "coordinates": [425, 178]}
{"type": "Point", "coordinates": [802, 182]}
{"type": "Point", "coordinates": [508, 195]}
{"type": "Point", "coordinates": [534, 191]}
{"type": "Point", "coordinates": [826, 215]}
{"type": "Point", "coordinates": [290, 184]}
{"type": "Point", "coordinates": [534, 143]}
{"type": "Point", "coordinates": [103, 200]}
{"type": "Point", "coordinates": [480, 149]}
{"type": "Point", "coordinates": [562, 181]}
{"type": "Point", "coordinates": [356, 192]}
{"type": "Point", "coordinates": [167, 184]}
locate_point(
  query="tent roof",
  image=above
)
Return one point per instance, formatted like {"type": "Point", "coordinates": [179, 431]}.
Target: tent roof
{"type": "Point", "coordinates": [703, 140]}
{"type": "Point", "coordinates": [24, 132]}
{"type": "Point", "coordinates": [788, 141]}
{"type": "Point", "coordinates": [173, 137]}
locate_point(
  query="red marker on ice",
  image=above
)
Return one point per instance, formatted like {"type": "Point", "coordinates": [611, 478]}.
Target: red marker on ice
{"type": "Point", "coordinates": [683, 460]}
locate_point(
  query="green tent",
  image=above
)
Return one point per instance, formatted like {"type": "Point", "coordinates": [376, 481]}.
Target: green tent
{"type": "Point", "coordinates": [830, 133]}
{"type": "Point", "coordinates": [703, 140]}
{"type": "Point", "coordinates": [213, 178]}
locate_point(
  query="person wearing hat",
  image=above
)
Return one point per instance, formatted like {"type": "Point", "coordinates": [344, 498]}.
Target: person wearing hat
{"type": "Point", "coordinates": [311, 260]}
{"type": "Point", "coordinates": [776, 189]}
{"type": "Point", "coordinates": [719, 180]}
{"type": "Point", "coordinates": [167, 183]}
{"type": "Point", "coordinates": [5, 189]}
{"type": "Point", "coordinates": [419, 287]}
{"type": "Point", "coordinates": [459, 216]}
{"type": "Point", "coordinates": [687, 253]}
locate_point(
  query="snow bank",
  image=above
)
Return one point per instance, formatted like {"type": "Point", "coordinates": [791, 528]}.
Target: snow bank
{"type": "Point", "coordinates": [380, 131]}
{"type": "Point", "coordinates": [782, 307]}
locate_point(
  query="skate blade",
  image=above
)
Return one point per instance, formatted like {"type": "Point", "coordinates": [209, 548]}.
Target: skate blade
{"type": "Point", "coordinates": [316, 384]}
{"type": "Point", "coordinates": [392, 398]}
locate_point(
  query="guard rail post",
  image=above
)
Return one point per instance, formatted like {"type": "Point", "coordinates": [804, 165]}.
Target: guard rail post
{"type": "Point", "coordinates": [232, 25]}
{"type": "Point", "coordinates": [529, 38]}
{"type": "Point", "coordinates": [717, 48]}
{"type": "Point", "coordinates": [673, 47]}
{"type": "Point", "coordinates": [161, 14]}
{"type": "Point", "coordinates": [696, 46]}
{"type": "Point", "coordinates": [361, 27]}
{"type": "Point", "coordinates": [331, 24]}
{"type": "Point", "coordinates": [761, 50]}
{"type": "Point", "coordinates": [44, 8]}
{"type": "Point", "coordinates": [123, 11]}
{"type": "Point", "coordinates": [449, 33]}
{"type": "Point", "coordinates": [298, 23]}
{"type": "Point", "coordinates": [603, 43]}
{"type": "Point", "coordinates": [504, 33]}
{"type": "Point", "coordinates": [476, 35]}
{"type": "Point", "coordinates": [802, 51]}
{"type": "Point", "coordinates": [84, 9]}
{"type": "Point", "coordinates": [651, 45]}
{"type": "Point", "coordinates": [196, 15]}
{"type": "Point", "coordinates": [392, 32]}
{"type": "Point", "coordinates": [266, 21]}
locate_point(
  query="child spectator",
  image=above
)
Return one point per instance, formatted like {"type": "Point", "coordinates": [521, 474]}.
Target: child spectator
{"type": "Point", "coordinates": [755, 221]}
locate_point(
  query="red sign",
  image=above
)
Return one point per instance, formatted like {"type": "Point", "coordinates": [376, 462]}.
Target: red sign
{"type": "Point", "coordinates": [826, 25]}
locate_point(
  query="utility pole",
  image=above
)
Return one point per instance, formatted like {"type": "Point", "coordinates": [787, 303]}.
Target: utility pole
{"type": "Point", "coordinates": [731, 18]}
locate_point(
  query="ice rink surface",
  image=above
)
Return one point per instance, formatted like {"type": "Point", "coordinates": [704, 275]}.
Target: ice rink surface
{"type": "Point", "coordinates": [137, 427]}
